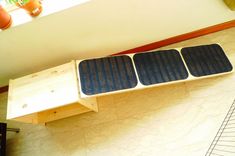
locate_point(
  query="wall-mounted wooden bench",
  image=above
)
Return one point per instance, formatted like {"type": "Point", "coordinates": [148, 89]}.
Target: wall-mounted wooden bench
{"type": "Point", "coordinates": [46, 96]}
{"type": "Point", "coordinates": [72, 88]}
{"type": "Point", "coordinates": [108, 75]}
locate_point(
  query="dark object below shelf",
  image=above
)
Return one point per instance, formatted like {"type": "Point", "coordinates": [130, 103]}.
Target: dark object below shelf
{"type": "Point", "coordinates": [3, 129]}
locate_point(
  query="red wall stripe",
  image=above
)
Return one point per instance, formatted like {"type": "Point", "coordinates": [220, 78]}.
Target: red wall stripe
{"type": "Point", "coordinates": [169, 41]}
{"type": "Point", "coordinates": [180, 38]}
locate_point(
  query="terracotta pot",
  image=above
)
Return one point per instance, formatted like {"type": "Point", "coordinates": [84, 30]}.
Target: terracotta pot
{"type": "Point", "coordinates": [5, 19]}
{"type": "Point", "coordinates": [33, 7]}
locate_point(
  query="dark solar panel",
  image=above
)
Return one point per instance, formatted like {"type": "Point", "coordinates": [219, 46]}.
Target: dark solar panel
{"type": "Point", "coordinates": [206, 60]}
{"type": "Point", "coordinates": [160, 66]}
{"type": "Point", "coordinates": [107, 74]}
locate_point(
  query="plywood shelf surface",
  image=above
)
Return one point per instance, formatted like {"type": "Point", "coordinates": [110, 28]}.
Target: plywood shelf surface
{"type": "Point", "coordinates": [46, 96]}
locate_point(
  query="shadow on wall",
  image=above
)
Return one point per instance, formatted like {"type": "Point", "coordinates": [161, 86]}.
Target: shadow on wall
{"type": "Point", "coordinates": [230, 4]}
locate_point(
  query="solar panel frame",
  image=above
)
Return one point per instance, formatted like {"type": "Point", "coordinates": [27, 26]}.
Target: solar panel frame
{"type": "Point", "coordinates": [106, 74]}
{"type": "Point", "coordinates": [139, 84]}
{"type": "Point", "coordinates": [204, 60]}
{"type": "Point", "coordinates": [161, 66]}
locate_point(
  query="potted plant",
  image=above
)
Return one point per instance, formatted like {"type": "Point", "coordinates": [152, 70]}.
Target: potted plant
{"type": "Point", "coordinates": [33, 7]}
{"type": "Point", "coordinates": [5, 18]}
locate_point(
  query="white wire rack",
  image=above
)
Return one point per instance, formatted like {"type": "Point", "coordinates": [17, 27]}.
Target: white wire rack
{"type": "Point", "coordinates": [224, 141]}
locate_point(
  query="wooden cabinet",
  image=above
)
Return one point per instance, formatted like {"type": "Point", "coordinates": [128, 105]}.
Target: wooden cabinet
{"type": "Point", "coordinates": [47, 95]}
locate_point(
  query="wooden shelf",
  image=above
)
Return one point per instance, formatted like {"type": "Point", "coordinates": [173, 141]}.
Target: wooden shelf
{"type": "Point", "coordinates": [46, 96]}
{"type": "Point", "coordinates": [57, 93]}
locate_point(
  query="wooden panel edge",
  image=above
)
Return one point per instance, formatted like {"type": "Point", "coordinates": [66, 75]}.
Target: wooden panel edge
{"type": "Point", "coordinates": [52, 114]}
{"type": "Point", "coordinates": [4, 89]}
{"type": "Point", "coordinates": [61, 112]}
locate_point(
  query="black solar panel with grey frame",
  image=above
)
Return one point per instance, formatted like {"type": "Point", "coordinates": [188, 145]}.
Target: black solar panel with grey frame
{"type": "Point", "coordinates": [115, 74]}
{"type": "Point", "coordinates": [160, 67]}
{"type": "Point", "coordinates": [206, 60]}
{"type": "Point", "coordinates": [107, 74]}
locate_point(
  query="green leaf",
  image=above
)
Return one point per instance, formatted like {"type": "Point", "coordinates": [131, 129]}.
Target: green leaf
{"type": "Point", "coordinates": [22, 2]}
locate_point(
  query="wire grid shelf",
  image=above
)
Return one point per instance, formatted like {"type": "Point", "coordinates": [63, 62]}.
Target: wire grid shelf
{"type": "Point", "coordinates": [224, 141]}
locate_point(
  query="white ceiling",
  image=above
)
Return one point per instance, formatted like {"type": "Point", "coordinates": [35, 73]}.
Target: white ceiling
{"type": "Point", "coordinates": [98, 28]}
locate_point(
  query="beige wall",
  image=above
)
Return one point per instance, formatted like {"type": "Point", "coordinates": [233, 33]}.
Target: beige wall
{"type": "Point", "coordinates": [101, 27]}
